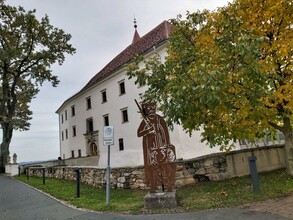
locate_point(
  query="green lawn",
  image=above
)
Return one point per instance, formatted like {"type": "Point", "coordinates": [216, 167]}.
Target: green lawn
{"type": "Point", "coordinates": [235, 191]}
{"type": "Point", "coordinates": [202, 195]}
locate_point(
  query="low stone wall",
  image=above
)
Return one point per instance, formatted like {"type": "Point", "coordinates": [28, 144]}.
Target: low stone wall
{"type": "Point", "coordinates": [268, 158]}
{"type": "Point", "coordinates": [211, 167]}
{"type": "Point", "coordinates": [221, 166]}
{"type": "Point", "coordinates": [78, 161]}
{"type": "Point", "coordinates": [132, 177]}
{"type": "Point", "coordinates": [120, 177]}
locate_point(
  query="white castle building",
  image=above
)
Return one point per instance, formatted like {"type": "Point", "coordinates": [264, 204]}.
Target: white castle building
{"type": "Point", "coordinates": [108, 99]}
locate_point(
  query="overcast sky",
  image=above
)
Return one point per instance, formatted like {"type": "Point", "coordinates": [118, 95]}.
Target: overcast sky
{"type": "Point", "coordinates": [100, 30]}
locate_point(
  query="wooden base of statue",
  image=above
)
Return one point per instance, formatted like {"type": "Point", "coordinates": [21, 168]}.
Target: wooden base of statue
{"type": "Point", "coordinates": [160, 200]}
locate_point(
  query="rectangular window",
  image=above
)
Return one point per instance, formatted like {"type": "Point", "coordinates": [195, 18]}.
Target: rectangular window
{"type": "Point", "coordinates": [104, 96]}
{"type": "Point", "coordinates": [121, 144]}
{"type": "Point", "coordinates": [62, 119]}
{"type": "Point", "coordinates": [72, 153]}
{"type": "Point", "coordinates": [89, 125]}
{"type": "Point", "coordinates": [74, 131]}
{"type": "Point", "coordinates": [122, 88]}
{"type": "Point", "coordinates": [62, 135]}
{"type": "Point", "coordinates": [66, 133]}
{"type": "Point", "coordinates": [72, 111]}
{"type": "Point", "coordinates": [106, 120]}
{"type": "Point", "coordinates": [65, 115]}
{"type": "Point", "coordinates": [124, 115]}
{"type": "Point", "coordinates": [79, 153]}
{"type": "Point", "coordinates": [88, 103]}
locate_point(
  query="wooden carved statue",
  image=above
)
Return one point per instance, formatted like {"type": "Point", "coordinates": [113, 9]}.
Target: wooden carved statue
{"type": "Point", "coordinates": [159, 154]}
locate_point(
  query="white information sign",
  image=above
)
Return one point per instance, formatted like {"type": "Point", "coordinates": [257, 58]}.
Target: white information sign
{"type": "Point", "coordinates": [108, 135]}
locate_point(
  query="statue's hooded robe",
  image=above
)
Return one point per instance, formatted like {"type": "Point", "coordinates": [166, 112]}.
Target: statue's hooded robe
{"type": "Point", "coordinates": [157, 150]}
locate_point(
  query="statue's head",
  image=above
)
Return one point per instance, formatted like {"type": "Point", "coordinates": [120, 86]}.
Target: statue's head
{"type": "Point", "coordinates": [149, 108]}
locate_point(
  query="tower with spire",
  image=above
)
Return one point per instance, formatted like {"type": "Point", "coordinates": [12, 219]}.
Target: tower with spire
{"type": "Point", "coordinates": [136, 36]}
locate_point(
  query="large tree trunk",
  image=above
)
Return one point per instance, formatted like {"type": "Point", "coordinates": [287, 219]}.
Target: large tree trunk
{"type": "Point", "coordinates": [289, 153]}
{"type": "Point", "coordinates": [4, 147]}
{"type": "Point", "coordinates": [288, 133]}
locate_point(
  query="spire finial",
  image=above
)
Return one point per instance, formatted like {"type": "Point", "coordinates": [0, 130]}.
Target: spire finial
{"type": "Point", "coordinates": [136, 36]}
{"type": "Point", "coordinates": [134, 21]}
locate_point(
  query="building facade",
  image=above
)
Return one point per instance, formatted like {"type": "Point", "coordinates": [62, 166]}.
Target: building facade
{"type": "Point", "coordinates": [108, 100]}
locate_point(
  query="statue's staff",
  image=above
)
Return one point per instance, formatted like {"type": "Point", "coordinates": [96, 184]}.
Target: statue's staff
{"type": "Point", "coordinates": [146, 119]}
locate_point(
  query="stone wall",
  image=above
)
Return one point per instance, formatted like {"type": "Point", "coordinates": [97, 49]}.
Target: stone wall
{"type": "Point", "coordinates": [120, 177]}
{"type": "Point", "coordinates": [78, 161]}
{"type": "Point", "coordinates": [212, 167]}
{"type": "Point", "coordinates": [268, 158]}
{"type": "Point", "coordinates": [221, 166]}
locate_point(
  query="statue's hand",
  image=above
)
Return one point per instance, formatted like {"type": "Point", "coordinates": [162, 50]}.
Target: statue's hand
{"type": "Point", "coordinates": [152, 130]}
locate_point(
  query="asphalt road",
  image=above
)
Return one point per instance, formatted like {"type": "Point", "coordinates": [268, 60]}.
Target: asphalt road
{"type": "Point", "coordinates": [21, 202]}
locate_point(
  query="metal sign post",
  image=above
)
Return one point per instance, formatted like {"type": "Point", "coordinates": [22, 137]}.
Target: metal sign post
{"type": "Point", "coordinates": [108, 140]}
{"type": "Point", "coordinates": [108, 178]}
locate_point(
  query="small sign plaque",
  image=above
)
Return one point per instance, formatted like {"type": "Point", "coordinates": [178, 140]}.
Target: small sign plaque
{"type": "Point", "coordinates": [108, 135]}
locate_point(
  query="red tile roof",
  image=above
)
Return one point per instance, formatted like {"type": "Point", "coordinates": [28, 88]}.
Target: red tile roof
{"type": "Point", "coordinates": [156, 36]}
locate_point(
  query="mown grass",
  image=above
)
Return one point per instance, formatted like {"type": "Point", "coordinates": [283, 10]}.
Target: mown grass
{"type": "Point", "coordinates": [202, 195]}
{"type": "Point", "coordinates": [90, 197]}
{"type": "Point", "coordinates": [235, 192]}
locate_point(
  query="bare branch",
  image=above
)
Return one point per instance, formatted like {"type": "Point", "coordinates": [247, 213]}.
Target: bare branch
{"type": "Point", "coordinates": [274, 125]}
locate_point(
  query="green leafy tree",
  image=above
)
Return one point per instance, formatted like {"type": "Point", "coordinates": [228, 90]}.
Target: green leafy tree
{"type": "Point", "coordinates": [229, 71]}
{"type": "Point", "coordinates": [28, 48]}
